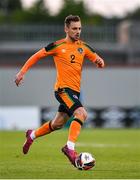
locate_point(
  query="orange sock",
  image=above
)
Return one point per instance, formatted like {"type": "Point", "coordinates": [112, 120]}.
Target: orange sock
{"type": "Point", "coordinates": [44, 129]}
{"type": "Point", "coordinates": [74, 130]}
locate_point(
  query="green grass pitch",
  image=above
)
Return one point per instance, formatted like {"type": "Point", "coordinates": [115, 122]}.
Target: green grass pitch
{"type": "Point", "coordinates": [117, 154]}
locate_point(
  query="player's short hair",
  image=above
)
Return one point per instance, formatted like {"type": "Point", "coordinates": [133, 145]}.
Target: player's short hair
{"type": "Point", "coordinates": [71, 18]}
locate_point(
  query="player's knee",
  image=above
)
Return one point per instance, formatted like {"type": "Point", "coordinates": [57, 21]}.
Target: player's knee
{"type": "Point", "coordinates": [81, 113]}
{"type": "Point", "coordinates": [85, 114]}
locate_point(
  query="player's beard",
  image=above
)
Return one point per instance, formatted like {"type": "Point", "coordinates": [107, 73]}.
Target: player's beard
{"type": "Point", "coordinates": [75, 37]}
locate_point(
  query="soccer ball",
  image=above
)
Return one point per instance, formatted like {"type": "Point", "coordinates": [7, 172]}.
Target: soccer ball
{"type": "Point", "coordinates": [85, 161]}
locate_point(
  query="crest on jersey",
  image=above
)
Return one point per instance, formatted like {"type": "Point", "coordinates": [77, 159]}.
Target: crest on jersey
{"type": "Point", "coordinates": [80, 50]}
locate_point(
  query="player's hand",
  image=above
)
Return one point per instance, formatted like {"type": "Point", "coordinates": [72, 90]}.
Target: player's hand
{"type": "Point", "coordinates": [19, 78]}
{"type": "Point", "coordinates": [99, 63]}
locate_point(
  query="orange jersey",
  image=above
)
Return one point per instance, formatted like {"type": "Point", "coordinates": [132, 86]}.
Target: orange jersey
{"type": "Point", "coordinates": [68, 58]}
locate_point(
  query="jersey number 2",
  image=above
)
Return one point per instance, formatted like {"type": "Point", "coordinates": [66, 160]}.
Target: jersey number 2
{"type": "Point", "coordinates": [72, 58]}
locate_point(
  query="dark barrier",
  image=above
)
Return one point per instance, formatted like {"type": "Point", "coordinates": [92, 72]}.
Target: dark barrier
{"type": "Point", "coordinates": [109, 117]}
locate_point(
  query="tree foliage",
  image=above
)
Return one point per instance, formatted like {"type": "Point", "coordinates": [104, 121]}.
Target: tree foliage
{"type": "Point", "coordinates": [72, 7]}
{"type": "Point", "coordinates": [12, 11]}
{"type": "Point", "coordinates": [135, 15]}
{"type": "Point", "coordinates": [9, 6]}
{"type": "Point", "coordinates": [37, 13]}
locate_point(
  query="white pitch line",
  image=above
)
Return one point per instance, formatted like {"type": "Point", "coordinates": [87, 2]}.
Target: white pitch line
{"type": "Point", "coordinates": [103, 145]}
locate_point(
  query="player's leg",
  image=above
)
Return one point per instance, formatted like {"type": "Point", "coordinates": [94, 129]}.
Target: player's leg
{"type": "Point", "coordinates": [80, 116]}
{"type": "Point", "coordinates": [74, 131]}
{"type": "Point", "coordinates": [71, 101]}
{"type": "Point", "coordinates": [57, 123]}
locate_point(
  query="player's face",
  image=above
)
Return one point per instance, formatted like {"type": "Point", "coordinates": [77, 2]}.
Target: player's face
{"type": "Point", "coordinates": [74, 30]}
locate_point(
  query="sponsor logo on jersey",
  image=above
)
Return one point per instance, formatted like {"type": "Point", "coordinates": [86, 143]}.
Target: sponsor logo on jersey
{"type": "Point", "coordinates": [63, 50]}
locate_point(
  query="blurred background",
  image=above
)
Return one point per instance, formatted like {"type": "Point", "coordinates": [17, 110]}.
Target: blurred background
{"type": "Point", "coordinates": [111, 96]}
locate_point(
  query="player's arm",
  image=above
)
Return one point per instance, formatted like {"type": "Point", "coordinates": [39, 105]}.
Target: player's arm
{"type": "Point", "coordinates": [29, 63]}
{"type": "Point", "coordinates": [94, 57]}
{"type": "Point", "coordinates": [48, 50]}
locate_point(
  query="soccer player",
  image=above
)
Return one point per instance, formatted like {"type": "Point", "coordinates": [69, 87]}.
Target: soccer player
{"type": "Point", "coordinates": [68, 54]}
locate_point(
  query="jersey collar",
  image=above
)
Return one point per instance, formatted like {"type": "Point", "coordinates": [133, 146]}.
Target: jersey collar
{"type": "Point", "coordinates": [69, 42]}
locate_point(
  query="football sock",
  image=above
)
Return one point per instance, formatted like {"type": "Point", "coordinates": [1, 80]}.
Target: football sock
{"type": "Point", "coordinates": [32, 135]}
{"type": "Point", "coordinates": [44, 129]}
{"type": "Point", "coordinates": [74, 132]}
{"type": "Point", "coordinates": [71, 145]}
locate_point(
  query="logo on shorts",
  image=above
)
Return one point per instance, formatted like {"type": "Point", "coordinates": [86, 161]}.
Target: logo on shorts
{"type": "Point", "coordinates": [80, 50]}
{"type": "Point", "coordinates": [75, 96]}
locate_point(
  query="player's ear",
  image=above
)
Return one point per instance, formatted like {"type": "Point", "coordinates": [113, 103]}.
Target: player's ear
{"type": "Point", "coordinates": [66, 29]}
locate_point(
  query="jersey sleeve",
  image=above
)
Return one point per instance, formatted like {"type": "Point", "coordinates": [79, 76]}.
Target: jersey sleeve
{"type": "Point", "coordinates": [33, 59]}
{"type": "Point", "coordinates": [51, 49]}
{"type": "Point", "coordinates": [90, 53]}
{"type": "Point", "coordinates": [44, 52]}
